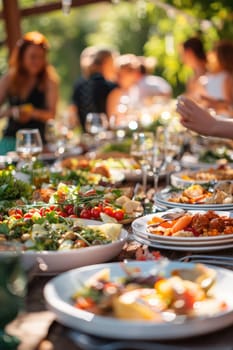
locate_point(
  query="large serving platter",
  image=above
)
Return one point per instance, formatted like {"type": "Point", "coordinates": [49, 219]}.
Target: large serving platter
{"type": "Point", "coordinates": [163, 196]}
{"type": "Point", "coordinates": [59, 290]}
{"type": "Point", "coordinates": [59, 261]}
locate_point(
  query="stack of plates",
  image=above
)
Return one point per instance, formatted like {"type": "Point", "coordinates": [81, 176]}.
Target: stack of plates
{"type": "Point", "coordinates": [162, 197]}
{"type": "Point", "coordinates": [195, 244]}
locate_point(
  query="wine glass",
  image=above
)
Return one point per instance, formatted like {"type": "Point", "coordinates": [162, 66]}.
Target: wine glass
{"type": "Point", "coordinates": [13, 290]}
{"type": "Point", "coordinates": [142, 151]}
{"type": "Point", "coordinates": [158, 159]}
{"type": "Point", "coordinates": [96, 123]}
{"type": "Point", "coordinates": [28, 146]}
{"type": "Point", "coordinates": [173, 146]}
{"type": "Point", "coordinates": [118, 124]}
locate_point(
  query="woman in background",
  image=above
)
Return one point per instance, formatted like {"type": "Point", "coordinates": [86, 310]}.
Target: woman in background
{"type": "Point", "coordinates": [30, 87]}
{"type": "Point", "coordinates": [218, 88]}
{"type": "Point", "coordinates": [193, 55]}
{"type": "Point", "coordinates": [127, 75]}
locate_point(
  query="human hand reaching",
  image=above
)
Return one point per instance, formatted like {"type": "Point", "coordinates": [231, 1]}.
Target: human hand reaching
{"type": "Point", "coordinates": [195, 117]}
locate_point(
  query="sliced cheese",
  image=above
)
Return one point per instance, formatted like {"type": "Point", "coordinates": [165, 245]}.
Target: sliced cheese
{"type": "Point", "coordinates": [111, 230]}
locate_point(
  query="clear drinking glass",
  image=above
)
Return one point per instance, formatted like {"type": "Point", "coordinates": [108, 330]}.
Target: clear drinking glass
{"type": "Point", "coordinates": [12, 290]}
{"type": "Point", "coordinates": [173, 146]}
{"type": "Point", "coordinates": [96, 123]}
{"type": "Point", "coordinates": [28, 145]}
{"type": "Point", "coordinates": [142, 151]}
{"type": "Point", "coordinates": [158, 159]}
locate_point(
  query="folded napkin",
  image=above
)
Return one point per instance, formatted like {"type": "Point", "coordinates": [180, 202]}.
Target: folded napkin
{"type": "Point", "coordinates": [31, 328]}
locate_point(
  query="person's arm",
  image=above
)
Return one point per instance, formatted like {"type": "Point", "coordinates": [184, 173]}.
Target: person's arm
{"type": "Point", "coordinates": [113, 102]}
{"type": "Point", "coordinates": [201, 121]}
{"type": "Point", "coordinates": [73, 115]}
{"type": "Point", "coordinates": [4, 88]}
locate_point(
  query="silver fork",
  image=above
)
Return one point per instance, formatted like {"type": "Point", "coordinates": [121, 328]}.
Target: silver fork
{"type": "Point", "coordinates": [169, 216]}
{"type": "Point", "coordinates": [89, 342]}
{"type": "Point", "coordinates": [219, 260]}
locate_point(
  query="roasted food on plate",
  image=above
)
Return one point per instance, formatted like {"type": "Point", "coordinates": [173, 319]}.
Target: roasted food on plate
{"type": "Point", "coordinates": [192, 225]}
{"type": "Point", "coordinates": [151, 297]}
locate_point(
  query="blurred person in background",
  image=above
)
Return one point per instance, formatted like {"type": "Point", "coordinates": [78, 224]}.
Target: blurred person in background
{"type": "Point", "coordinates": [91, 90]}
{"type": "Point", "coordinates": [200, 120]}
{"type": "Point", "coordinates": [30, 87]}
{"type": "Point", "coordinates": [149, 86]}
{"type": "Point", "coordinates": [137, 89]}
{"type": "Point", "coordinates": [127, 75]}
{"type": "Point", "coordinates": [218, 84]}
{"type": "Point", "coordinates": [193, 55]}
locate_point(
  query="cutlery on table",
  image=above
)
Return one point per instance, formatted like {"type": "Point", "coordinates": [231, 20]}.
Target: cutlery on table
{"type": "Point", "coordinates": [209, 259]}
{"type": "Point", "coordinates": [89, 342]}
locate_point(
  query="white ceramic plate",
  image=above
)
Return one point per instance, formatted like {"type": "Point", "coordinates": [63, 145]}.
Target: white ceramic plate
{"type": "Point", "coordinates": [163, 196]}
{"type": "Point", "coordinates": [59, 290]}
{"type": "Point", "coordinates": [183, 248]}
{"type": "Point", "coordinates": [178, 181]}
{"type": "Point", "coordinates": [59, 261]}
{"type": "Point", "coordinates": [139, 227]}
{"type": "Point", "coordinates": [136, 175]}
{"type": "Point", "coordinates": [191, 161]}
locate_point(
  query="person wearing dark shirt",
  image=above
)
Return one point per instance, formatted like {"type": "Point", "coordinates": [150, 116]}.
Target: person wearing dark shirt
{"type": "Point", "coordinates": [90, 92]}
{"type": "Point", "coordinates": [30, 87]}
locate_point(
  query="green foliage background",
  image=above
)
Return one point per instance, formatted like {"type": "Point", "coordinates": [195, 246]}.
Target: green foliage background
{"type": "Point", "coordinates": [142, 27]}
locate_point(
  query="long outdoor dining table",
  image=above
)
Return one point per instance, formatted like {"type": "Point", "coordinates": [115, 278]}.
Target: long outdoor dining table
{"type": "Point", "coordinates": [38, 329]}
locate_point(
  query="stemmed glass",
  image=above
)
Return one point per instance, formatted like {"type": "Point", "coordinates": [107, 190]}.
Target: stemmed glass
{"type": "Point", "coordinates": [142, 151]}
{"type": "Point", "coordinates": [119, 125]}
{"type": "Point", "coordinates": [158, 159]}
{"type": "Point", "coordinates": [28, 146]}
{"type": "Point", "coordinates": [96, 124]}
{"type": "Point", "coordinates": [13, 290]}
{"type": "Point", "coordinates": [173, 145]}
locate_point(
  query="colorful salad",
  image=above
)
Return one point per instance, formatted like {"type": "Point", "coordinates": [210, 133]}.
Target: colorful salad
{"type": "Point", "coordinates": [45, 229]}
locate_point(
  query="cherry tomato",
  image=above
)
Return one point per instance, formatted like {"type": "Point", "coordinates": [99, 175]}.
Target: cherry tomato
{"type": "Point", "coordinates": [119, 214]}
{"type": "Point", "coordinates": [85, 213]}
{"type": "Point", "coordinates": [69, 209]}
{"type": "Point", "coordinates": [73, 216]}
{"type": "Point", "coordinates": [53, 207]}
{"type": "Point", "coordinates": [63, 214]}
{"type": "Point", "coordinates": [28, 216]}
{"type": "Point", "coordinates": [101, 207]}
{"type": "Point", "coordinates": [79, 243]}
{"type": "Point", "coordinates": [17, 216]}
{"type": "Point", "coordinates": [44, 211]}
{"type": "Point", "coordinates": [95, 212]}
{"type": "Point", "coordinates": [109, 211]}
{"type": "Point", "coordinates": [15, 211]}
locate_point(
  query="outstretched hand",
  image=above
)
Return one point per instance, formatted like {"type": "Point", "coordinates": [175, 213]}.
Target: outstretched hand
{"type": "Point", "coordinates": [195, 117]}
